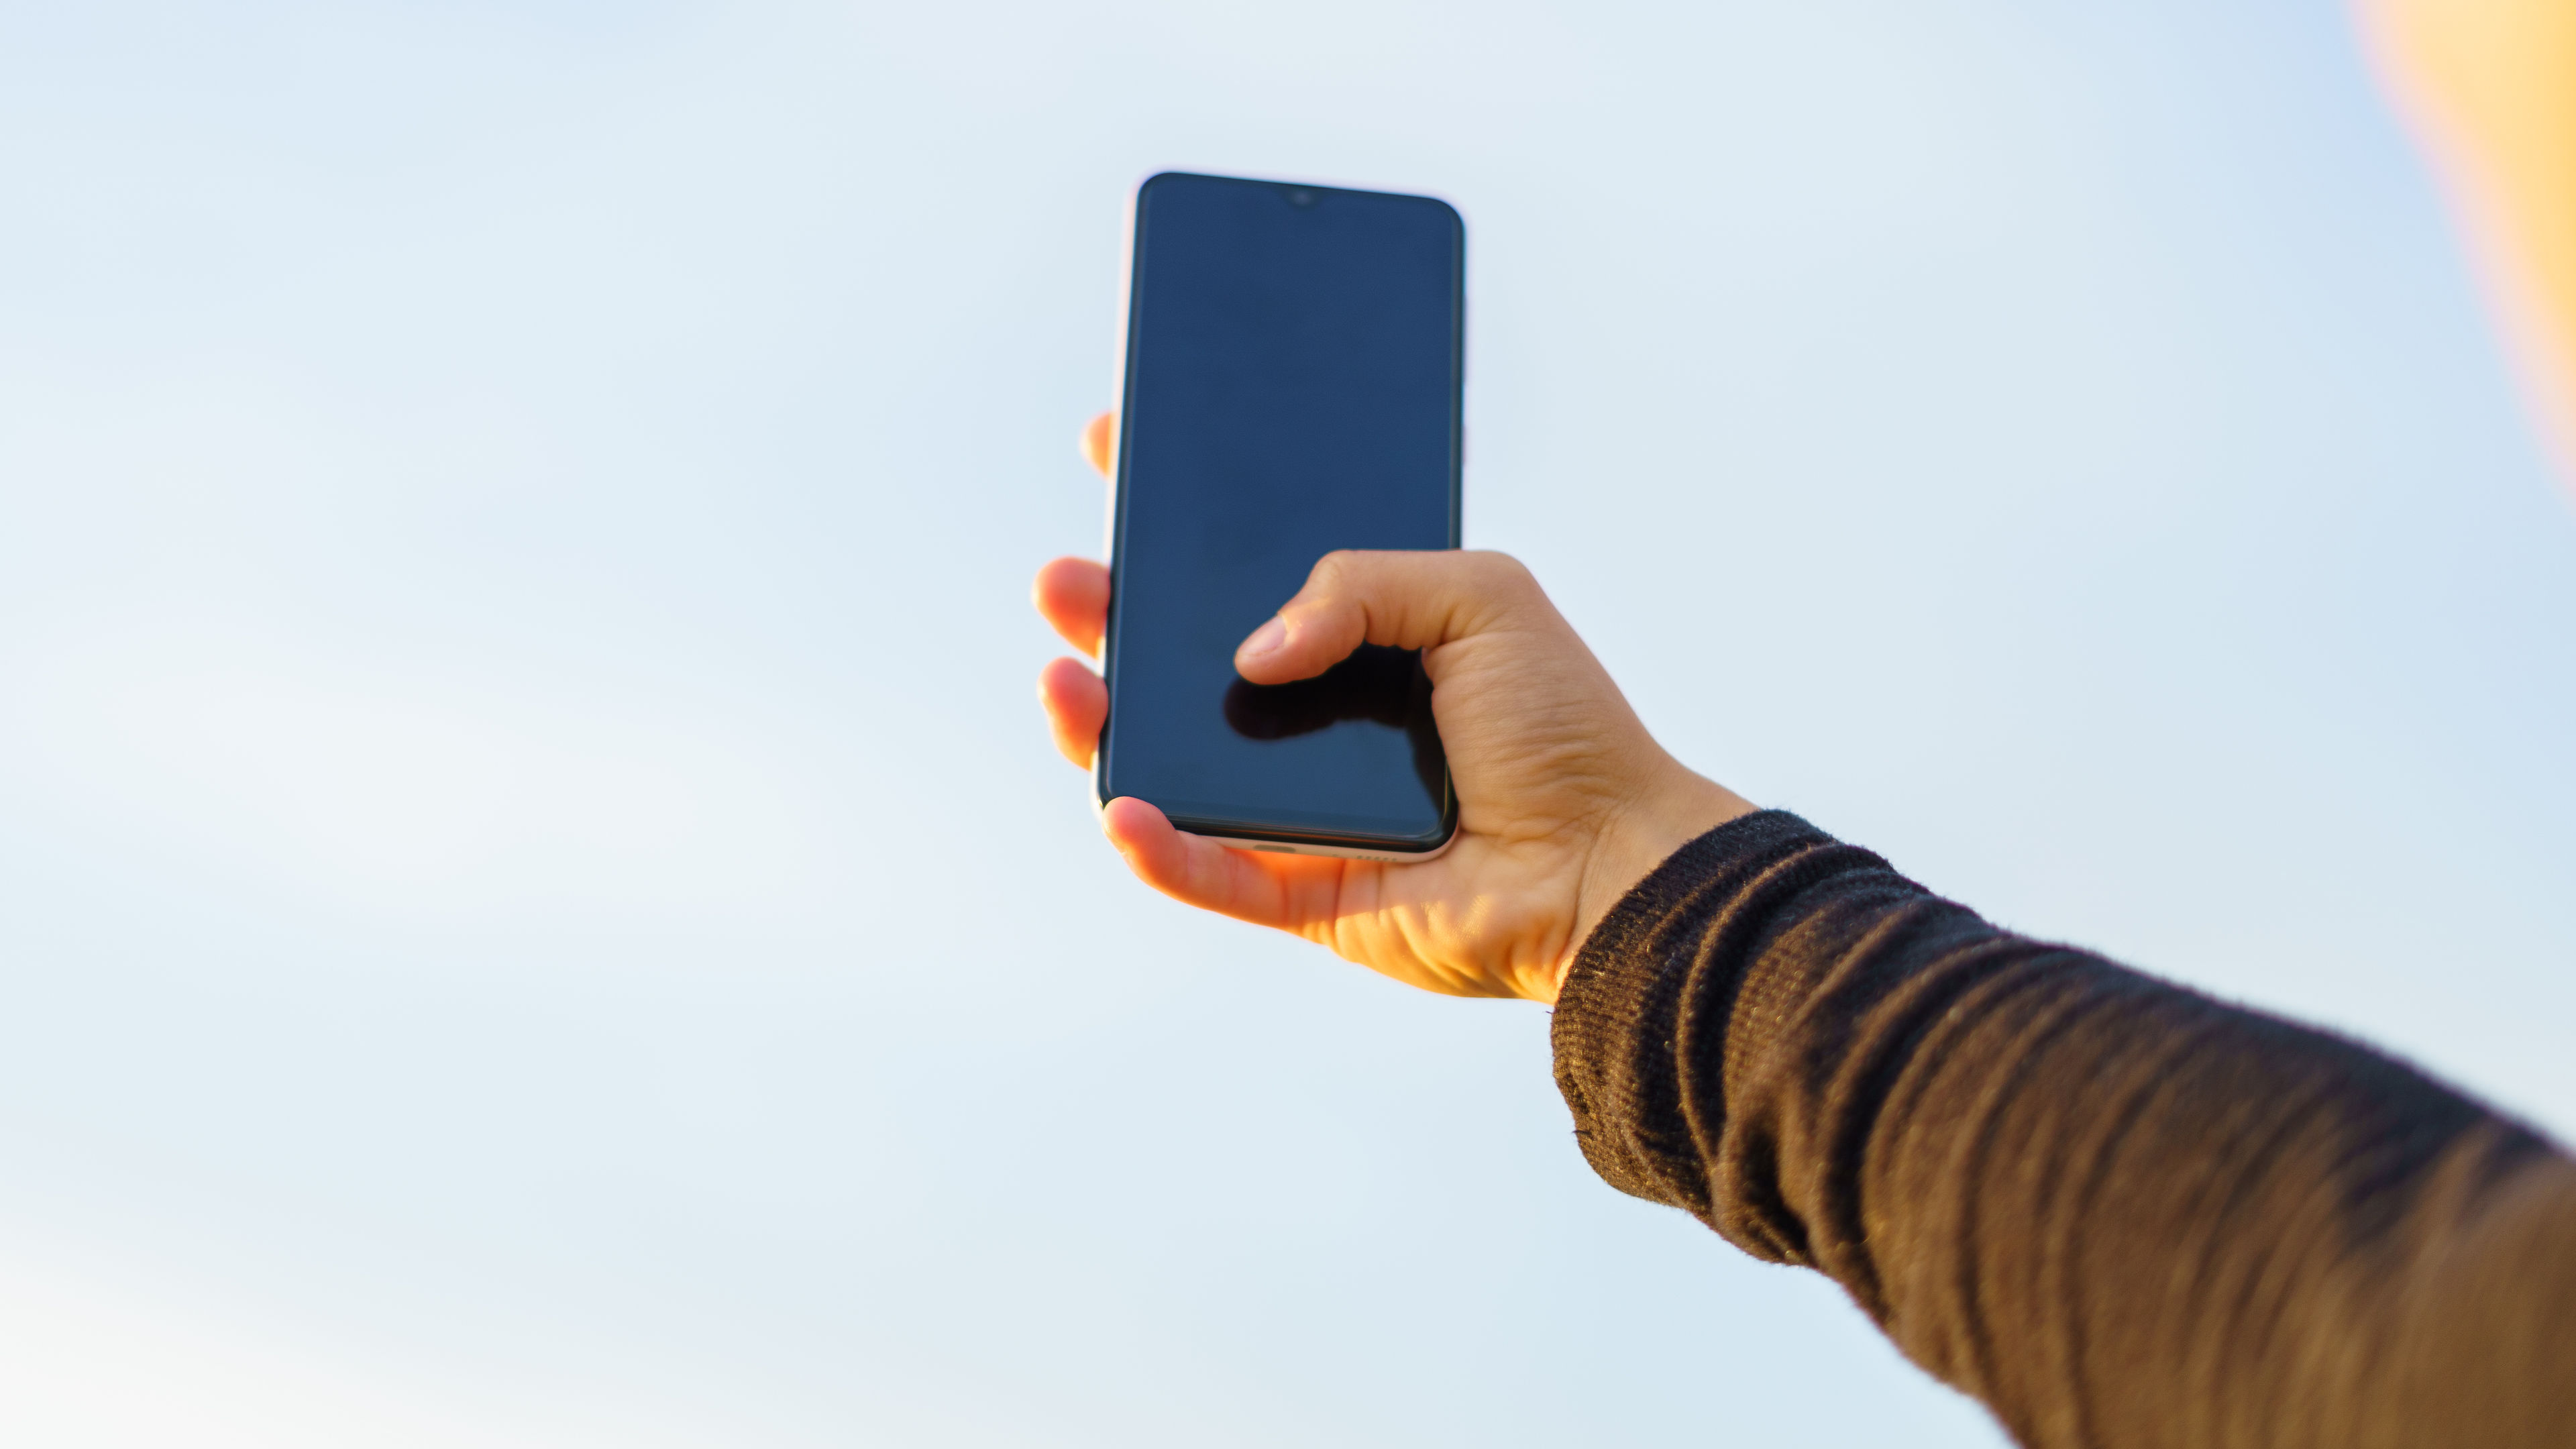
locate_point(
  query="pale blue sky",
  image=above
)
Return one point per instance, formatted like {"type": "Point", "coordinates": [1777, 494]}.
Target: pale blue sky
{"type": "Point", "coordinates": [535, 902]}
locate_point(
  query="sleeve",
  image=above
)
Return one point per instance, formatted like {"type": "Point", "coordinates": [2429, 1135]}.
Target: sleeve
{"type": "Point", "coordinates": [2117, 1212]}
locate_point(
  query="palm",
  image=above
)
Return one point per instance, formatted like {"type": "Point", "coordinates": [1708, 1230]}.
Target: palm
{"type": "Point", "coordinates": [1464, 925]}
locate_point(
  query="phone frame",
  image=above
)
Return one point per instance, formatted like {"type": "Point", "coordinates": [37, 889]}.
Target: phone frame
{"type": "Point", "coordinates": [1283, 839]}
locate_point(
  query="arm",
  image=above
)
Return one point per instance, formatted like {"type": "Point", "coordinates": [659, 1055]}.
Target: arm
{"type": "Point", "coordinates": [2117, 1212]}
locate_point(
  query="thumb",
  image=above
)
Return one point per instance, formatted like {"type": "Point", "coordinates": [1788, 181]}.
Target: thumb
{"type": "Point", "coordinates": [1405, 600]}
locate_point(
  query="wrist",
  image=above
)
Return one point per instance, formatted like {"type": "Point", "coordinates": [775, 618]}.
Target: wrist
{"type": "Point", "coordinates": [1678, 808]}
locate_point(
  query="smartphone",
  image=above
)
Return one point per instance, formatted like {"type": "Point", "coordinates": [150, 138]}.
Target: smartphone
{"type": "Point", "coordinates": [1294, 385]}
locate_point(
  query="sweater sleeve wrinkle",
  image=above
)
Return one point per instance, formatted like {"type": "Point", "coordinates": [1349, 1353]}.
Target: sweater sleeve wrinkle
{"type": "Point", "coordinates": [2118, 1212]}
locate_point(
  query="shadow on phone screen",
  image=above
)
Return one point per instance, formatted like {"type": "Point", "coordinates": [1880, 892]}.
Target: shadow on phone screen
{"type": "Point", "coordinates": [1377, 685]}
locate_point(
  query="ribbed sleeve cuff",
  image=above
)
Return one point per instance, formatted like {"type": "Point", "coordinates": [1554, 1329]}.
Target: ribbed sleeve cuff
{"type": "Point", "coordinates": [1631, 1021]}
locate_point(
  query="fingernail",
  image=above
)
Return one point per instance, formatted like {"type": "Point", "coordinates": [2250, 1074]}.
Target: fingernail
{"type": "Point", "coordinates": [1265, 640]}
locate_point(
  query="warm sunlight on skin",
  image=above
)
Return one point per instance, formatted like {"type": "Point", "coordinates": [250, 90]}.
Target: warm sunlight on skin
{"type": "Point", "coordinates": [1097, 437]}
{"type": "Point", "coordinates": [2491, 85]}
{"type": "Point", "coordinates": [1564, 800]}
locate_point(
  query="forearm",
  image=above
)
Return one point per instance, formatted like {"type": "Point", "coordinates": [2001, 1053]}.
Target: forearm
{"type": "Point", "coordinates": [2116, 1211]}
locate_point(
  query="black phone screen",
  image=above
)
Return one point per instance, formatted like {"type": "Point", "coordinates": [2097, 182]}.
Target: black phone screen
{"type": "Point", "coordinates": [1294, 371]}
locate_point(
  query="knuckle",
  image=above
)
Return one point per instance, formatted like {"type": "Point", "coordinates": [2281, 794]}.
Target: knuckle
{"type": "Point", "coordinates": [1501, 577]}
{"type": "Point", "coordinates": [1335, 574]}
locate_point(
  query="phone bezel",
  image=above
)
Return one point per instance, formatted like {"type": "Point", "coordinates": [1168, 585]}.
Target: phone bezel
{"type": "Point", "coordinates": [1256, 835]}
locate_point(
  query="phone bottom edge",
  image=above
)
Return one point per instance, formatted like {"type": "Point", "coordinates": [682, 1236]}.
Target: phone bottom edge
{"type": "Point", "coordinates": [1341, 852]}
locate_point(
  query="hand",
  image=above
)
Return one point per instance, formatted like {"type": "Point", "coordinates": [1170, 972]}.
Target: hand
{"type": "Point", "coordinates": [1564, 800]}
